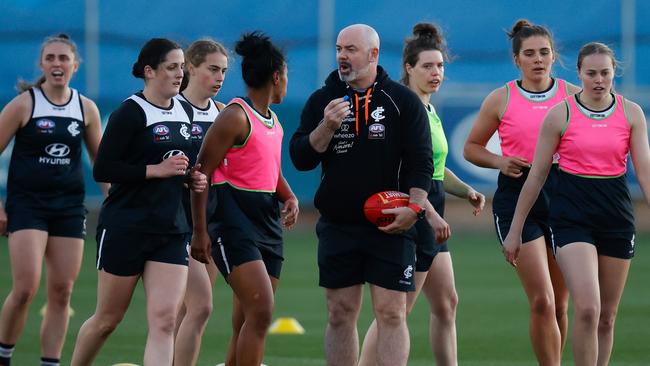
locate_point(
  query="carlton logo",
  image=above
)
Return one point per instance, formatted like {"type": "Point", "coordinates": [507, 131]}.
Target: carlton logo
{"type": "Point", "coordinates": [408, 272]}
{"type": "Point", "coordinates": [161, 130]}
{"type": "Point", "coordinates": [377, 114]}
{"type": "Point", "coordinates": [171, 153]}
{"type": "Point", "coordinates": [57, 150]}
{"type": "Point", "coordinates": [196, 129]}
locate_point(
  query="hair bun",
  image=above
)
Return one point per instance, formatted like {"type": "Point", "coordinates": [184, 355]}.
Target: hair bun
{"type": "Point", "coordinates": [63, 35]}
{"type": "Point", "coordinates": [426, 30]}
{"type": "Point", "coordinates": [137, 70]}
{"type": "Point", "coordinates": [519, 25]}
{"type": "Point", "coordinates": [254, 44]}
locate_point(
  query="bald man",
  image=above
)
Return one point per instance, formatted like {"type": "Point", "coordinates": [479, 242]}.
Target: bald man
{"type": "Point", "coordinates": [369, 134]}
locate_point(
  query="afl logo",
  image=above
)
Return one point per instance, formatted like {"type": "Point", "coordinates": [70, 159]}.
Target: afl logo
{"type": "Point", "coordinates": [171, 153]}
{"type": "Point", "coordinates": [45, 126]}
{"type": "Point", "coordinates": [161, 130]}
{"type": "Point", "coordinates": [376, 128]}
{"type": "Point", "coordinates": [57, 150]}
{"type": "Point", "coordinates": [376, 131]}
{"type": "Point", "coordinates": [196, 129]}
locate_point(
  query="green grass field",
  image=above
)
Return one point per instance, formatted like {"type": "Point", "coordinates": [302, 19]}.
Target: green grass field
{"type": "Point", "coordinates": [492, 315]}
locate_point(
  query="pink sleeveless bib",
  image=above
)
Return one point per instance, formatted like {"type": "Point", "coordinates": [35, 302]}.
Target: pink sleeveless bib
{"type": "Point", "coordinates": [592, 145]}
{"type": "Point", "coordinates": [523, 117]}
{"type": "Point", "coordinates": [255, 165]}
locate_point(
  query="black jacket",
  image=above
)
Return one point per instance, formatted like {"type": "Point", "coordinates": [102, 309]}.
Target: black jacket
{"type": "Point", "coordinates": [387, 147]}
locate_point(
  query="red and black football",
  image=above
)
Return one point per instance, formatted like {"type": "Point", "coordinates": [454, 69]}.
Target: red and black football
{"type": "Point", "coordinates": [381, 201]}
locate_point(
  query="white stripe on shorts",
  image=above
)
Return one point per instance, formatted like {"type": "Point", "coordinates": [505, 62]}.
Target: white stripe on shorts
{"type": "Point", "coordinates": [498, 229]}
{"type": "Point", "coordinates": [553, 246]}
{"type": "Point", "coordinates": [223, 255]}
{"type": "Point", "coordinates": [101, 245]}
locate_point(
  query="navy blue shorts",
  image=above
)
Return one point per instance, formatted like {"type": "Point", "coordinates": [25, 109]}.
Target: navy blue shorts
{"type": "Point", "coordinates": [426, 247]}
{"type": "Point", "coordinates": [353, 254]}
{"type": "Point", "coordinates": [534, 228]}
{"type": "Point", "coordinates": [228, 254]}
{"type": "Point", "coordinates": [245, 227]}
{"type": "Point", "coordinates": [68, 223]}
{"type": "Point", "coordinates": [124, 252]}
{"type": "Point", "coordinates": [594, 210]}
{"type": "Point", "coordinates": [609, 244]}
{"type": "Point", "coordinates": [505, 202]}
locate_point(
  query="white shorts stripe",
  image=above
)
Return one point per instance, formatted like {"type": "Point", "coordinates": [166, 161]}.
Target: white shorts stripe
{"type": "Point", "coordinates": [498, 228]}
{"type": "Point", "coordinates": [553, 246]}
{"type": "Point", "coordinates": [223, 255]}
{"type": "Point", "coordinates": [101, 246]}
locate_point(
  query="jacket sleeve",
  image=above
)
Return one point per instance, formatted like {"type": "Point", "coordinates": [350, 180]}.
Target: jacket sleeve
{"type": "Point", "coordinates": [303, 155]}
{"type": "Point", "coordinates": [110, 165]}
{"type": "Point", "coordinates": [417, 157]}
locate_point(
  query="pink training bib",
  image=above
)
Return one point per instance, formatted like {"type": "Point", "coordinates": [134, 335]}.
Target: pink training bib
{"type": "Point", "coordinates": [254, 165]}
{"type": "Point", "coordinates": [595, 143]}
{"type": "Point", "coordinates": [523, 117]}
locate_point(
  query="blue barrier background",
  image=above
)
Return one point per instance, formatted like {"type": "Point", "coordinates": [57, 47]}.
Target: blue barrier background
{"type": "Point", "coordinates": [474, 30]}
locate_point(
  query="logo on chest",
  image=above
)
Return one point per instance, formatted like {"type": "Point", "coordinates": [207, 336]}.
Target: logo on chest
{"type": "Point", "coordinates": [161, 133]}
{"type": "Point", "coordinates": [377, 114]}
{"type": "Point", "coordinates": [57, 150]}
{"type": "Point", "coordinates": [197, 132]}
{"type": "Point", "coordinates": [185, 131]}
{"type": "Point", "coordinates": [57, 155]}
{"type": "Point", "coordinates": [73, 128]}
{"type": "Point", "coordinates": [171, 153]}
{"type": "Point", "coordinates": [45, 126]}
{"type": "Point", "coordinates": [376, 131]}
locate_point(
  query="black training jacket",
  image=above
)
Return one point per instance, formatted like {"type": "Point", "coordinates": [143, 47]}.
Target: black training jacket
{"type": "Point", "coordinates": [384, 144]}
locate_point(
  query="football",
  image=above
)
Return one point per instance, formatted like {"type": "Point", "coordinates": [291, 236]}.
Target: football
{"type": "Point", "coordinates": [381, 201]}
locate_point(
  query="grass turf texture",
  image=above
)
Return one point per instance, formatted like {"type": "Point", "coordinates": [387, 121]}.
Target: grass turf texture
{"type": "Point", "coordinates": [492, 319]}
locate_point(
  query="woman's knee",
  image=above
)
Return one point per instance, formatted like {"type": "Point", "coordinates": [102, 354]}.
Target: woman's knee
{"type": "Point", "coordinates": [23, 294]}
{"type": "Point", "coordinates": [607, 320]}
{"type": "Point", "coordinates": [543, 305]}
{"type": "Point", "coordinates": [163, 319]}
{"type": "Point", "coordinates": [58, 294]}
{"type": "Point", "coordinates": [561, 310]}
{"type": "Point", "coordinates": [105, 324]}
{"type": "Point", "coordinates": [260, 319]}
{"type": "Point", "coordinates": [587, 314]}
{"type": "Point", "coordinates": [200, 312]}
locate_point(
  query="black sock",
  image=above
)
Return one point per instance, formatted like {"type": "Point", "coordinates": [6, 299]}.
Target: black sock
{"type": "Point", "coordinates": [6, 350]}
{"type": "Point", "coordinates": [45, 361]}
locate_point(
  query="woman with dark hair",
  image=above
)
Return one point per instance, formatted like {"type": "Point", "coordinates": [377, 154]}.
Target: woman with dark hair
{"type": "Point", "coordinates": [45, 215]}
{"type": "Point", "coordinates": [423, 71]}
{"type": "Point", "coordinates": [206, 62]}
{"type": "Point", "coordinates": [591, 218]}
{"type": "Point", "coordinates": [242, 154]}
{"type": "Point", "coordinates": [142, 229]}
{"type": "Point", "coordinates": [516, 111]}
